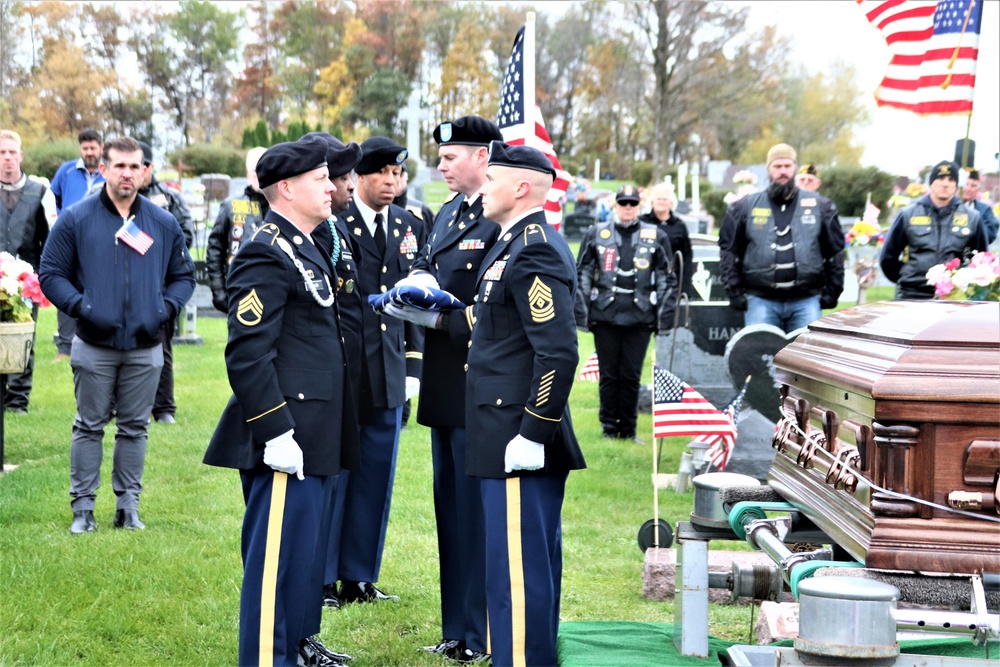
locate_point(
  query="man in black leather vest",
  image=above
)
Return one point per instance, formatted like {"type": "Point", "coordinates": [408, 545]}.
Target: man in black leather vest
{"type": "Point", "coordinates": [935, 229]}
{"type": "Point", "coordinates": [23, 230]}
{"type": "Point", "coordinates": [781, 250]}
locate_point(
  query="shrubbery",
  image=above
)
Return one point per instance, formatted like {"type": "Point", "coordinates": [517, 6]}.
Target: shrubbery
{"type": "Point", "coordinates": [849, 188]}
{"type": "Point", "coordinates": [44, 159]}
{"type": "Point", "coordinates": [210, 159]}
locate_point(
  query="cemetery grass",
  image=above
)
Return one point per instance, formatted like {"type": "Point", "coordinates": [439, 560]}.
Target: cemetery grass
{"type": "Point", "coordinates": [171, 593]}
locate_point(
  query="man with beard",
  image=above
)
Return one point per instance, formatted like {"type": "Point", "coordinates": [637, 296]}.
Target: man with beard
{"type": "Point", "coordinates": [935, 229]}
{"type": "Point", "coordinates": [117, 264]}
{"type": "Point", "coordinates": [781, 250]}
{"type": "Point", "coordinates": [74, 180]}
{"type": "Point", "coordinates": [238, 219]}
{"type": "Point", "coordinates": [626, 291]}
{"type": "Point", "coordinates": [164, 407]}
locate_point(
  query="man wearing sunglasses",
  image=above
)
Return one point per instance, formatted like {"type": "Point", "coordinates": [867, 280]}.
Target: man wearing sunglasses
{"type": "Point", "coordinates": [626, 291]}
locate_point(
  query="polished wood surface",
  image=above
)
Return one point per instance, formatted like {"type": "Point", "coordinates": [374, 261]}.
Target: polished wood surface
{"type": "Point", "coordinates": [889, 407]}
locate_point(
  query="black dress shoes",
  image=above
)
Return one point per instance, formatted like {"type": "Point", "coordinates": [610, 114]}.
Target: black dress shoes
{"type": "Point", "coordinates": [446, 646]}
{"type": "Point", "coordinates": [128, 519]}
{"type": "Point", "coordinates": [330, 598]}
{"type": "Point", "coordinates": [83, 522]}
{"type": "Point", "coordinates": [313, 653]}
{"type": "Point", "coordinates": [468, 656]}
{"type": "Point", "coordinates": [362, 591]}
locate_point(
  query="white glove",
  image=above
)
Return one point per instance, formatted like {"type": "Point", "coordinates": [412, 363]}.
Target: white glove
{"type": "Point", "coordinates": [284, 454]}
{"type": "Point", "coordinates": [523, 454]}
{"type": "Point", "coordinates": [420, 279]}
{"type": "Point", "coordinates": [425, 318]}
{"type": "Point", "coordinates": [412, 386]}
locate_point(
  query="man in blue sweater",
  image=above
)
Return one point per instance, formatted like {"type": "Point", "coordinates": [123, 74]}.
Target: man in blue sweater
{"type": "Point", "coordinates": [117, 263]}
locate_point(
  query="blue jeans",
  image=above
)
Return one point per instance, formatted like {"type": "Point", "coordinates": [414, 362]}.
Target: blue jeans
{"type": "Point", "coordinates": [786, 315]}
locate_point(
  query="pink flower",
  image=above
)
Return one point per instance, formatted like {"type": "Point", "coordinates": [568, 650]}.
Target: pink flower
{"type": "Point", "coordinates": [953, 264]}
{"type": "Point", "coordinates": [943, 288]}
{"type": "Point", "coordinates": [31, 289]}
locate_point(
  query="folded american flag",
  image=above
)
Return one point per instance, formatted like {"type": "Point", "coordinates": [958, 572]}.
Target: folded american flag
{"type": "Point", "coordinates": [422, 298]}
{"type": "Point", "coordinates": [133, 237]}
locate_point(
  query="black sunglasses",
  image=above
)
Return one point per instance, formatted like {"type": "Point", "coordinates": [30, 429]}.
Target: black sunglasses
{"type": "Point", "coordinates": [628, 203]}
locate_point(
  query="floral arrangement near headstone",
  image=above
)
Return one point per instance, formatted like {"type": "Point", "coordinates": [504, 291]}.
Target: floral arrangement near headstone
{"type": "Point", "coordinates": [19, 289]}
{"type": "Point", "coordinates": [865, 234]}
{"type": "Point", "coordinates": [976, 280]}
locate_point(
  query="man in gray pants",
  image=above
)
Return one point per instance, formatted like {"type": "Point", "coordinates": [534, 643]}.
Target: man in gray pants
{"type": "Point", "coordinates": [117, 263]}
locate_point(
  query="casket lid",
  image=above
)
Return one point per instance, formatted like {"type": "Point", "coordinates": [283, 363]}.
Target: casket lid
{"type": "Point", "coordinates": [928, 351]}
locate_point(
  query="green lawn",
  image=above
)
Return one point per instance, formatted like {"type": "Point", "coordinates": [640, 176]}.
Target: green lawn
{"type": "Point", "coordinates": [170, 594]}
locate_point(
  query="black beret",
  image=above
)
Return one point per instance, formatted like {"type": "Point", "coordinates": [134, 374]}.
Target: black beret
{"type": "Point", "coordinates": [520, 157]}
{"type": "Point", "coordinates": [467, 131]}
{"type": "Point", "coordinates": [974, 174]}
{"type": "Point", "coordinates": [944, 169]}
{"type": "Point", "coordinates": [627, 193]}
{"type": "Point", "coordinates": [377, 152]}
{"type": "Point", "coordinates": [340, 159]}
{"type": "Point", "coordinates": [147, 153]}
{"type": "Point", "coordinates": [289, 159]}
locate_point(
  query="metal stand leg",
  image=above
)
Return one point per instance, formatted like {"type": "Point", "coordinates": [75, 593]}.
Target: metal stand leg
{"type": "Point", "coordinates": [691, 598]}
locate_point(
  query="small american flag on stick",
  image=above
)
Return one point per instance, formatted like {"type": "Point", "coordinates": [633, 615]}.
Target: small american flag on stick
{"type": "Point", "coordinates": [133, 237]}
{"type": "Point", "coordinates": [590, 370]}
{"type": "Point", "coordinates": [678, 410]}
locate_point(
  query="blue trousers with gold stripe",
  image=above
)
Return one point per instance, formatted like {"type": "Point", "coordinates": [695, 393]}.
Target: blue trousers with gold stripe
{"type": "Point", "coordinates": [284, 553]}
{"type": "Point", "coordinates": [369, 498]}
{"type": "Point", "coordinates": [458, 508]}
{"type": "Point", "coordinates": [523, 567]}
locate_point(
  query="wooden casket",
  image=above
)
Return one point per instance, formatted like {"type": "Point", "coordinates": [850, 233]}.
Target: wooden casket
{"type": "Point", "coordinates": [890, 440]}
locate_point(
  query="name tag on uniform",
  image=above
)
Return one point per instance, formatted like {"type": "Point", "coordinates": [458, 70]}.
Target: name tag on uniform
{"type": "Point", "coordinates": [920, 220]}
{"type": "Point", "coordinates": [647, 234]}
{"type": "Point", "coordinates": [472, 244]}
{"type": "Point", "coordinates": [961, 219]}
{"type": "Point", "coordinates": [808, 202]}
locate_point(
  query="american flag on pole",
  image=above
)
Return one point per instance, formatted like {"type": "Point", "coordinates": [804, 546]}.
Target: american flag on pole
{"type": "Point", "coordinates": [133, 237]}
{"type": "Point", "coordinates": [934, 49]}
{"type": "Point", "coordinates": [680, 410]}
{"type": "Point", "coordinates": [590, 371]}
{"type": "Point", "coordinates": [520, 119]}
{"type": "Point", "coordinates": [722, 445]}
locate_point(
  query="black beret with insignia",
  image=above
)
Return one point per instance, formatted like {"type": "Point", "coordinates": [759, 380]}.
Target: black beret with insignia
{"type": "Point", "coordinates": [377, 152]}
{"type": "Point", "coordinates": [627, 193]}
{"type": "Point", "coordinates": [944, 169]}
{"type": "Point", "coordinates": [467, 131]}
{"type": "Point", "coordinates": [289, 159]}
{"type": "Point", "coordinates": [520, 157]}
{"type": "Point", "coordinates": [340, 159]}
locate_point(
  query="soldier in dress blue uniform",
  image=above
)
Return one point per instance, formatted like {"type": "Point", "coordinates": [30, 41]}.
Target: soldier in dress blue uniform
{"type": "Point", "coordinates": [522, 362]}
{"type": "Point", "coordinates": [388, 239]}
{"type": "Point", "coordinates": [461, 237]}
{"type": "Point", "coordinates": [290, 426]}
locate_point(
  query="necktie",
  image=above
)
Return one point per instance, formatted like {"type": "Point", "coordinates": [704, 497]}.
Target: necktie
{"type": "Point", "coordinates": [462, 208]}
{"type": "Point", "coordinates": [379, 234]}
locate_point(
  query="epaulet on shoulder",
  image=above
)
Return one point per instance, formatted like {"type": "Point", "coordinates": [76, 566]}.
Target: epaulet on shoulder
{"type": "Point", "coordinates": [415, 211]}
{"type": "Point", "coordinates": [268, 233]}
{"type": "Point", "coordinates": [534, 233]}
{"type": "Point", "coordinates": [453, 195]}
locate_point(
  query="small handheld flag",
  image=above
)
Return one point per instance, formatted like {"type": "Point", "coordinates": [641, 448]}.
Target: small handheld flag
{"type": "Point", "coordinates": [133, 237]}
{"type": "Point", "coordinates": [590, 371]}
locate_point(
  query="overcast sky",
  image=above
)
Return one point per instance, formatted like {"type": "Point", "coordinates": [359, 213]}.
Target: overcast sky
{"type": "Point", "coordinates": [824, 31]}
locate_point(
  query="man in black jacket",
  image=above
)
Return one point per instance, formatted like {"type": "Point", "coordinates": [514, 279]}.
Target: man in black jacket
{"type": "Point", "coordinates": [164, 406]}
{"type": "Point", "coordinates": [782, 250]}
{"type": "Point", "coordinates": [238, 218]}
{"type": "Point", "coordinates": [23, 231]}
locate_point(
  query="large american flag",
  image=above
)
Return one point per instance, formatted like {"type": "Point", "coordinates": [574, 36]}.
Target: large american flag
{"type": "Point", "coordinates": [934, 49]}
{"type": "Point", "coordinates": [520, 119]}
{"type": "Point", "coordinates": [678, 409]}
{"type": "Point", "coordinates": [133, 237]}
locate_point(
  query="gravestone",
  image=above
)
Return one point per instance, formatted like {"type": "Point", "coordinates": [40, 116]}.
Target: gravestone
{"type": "Point", "coordinates": [751, 353]}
